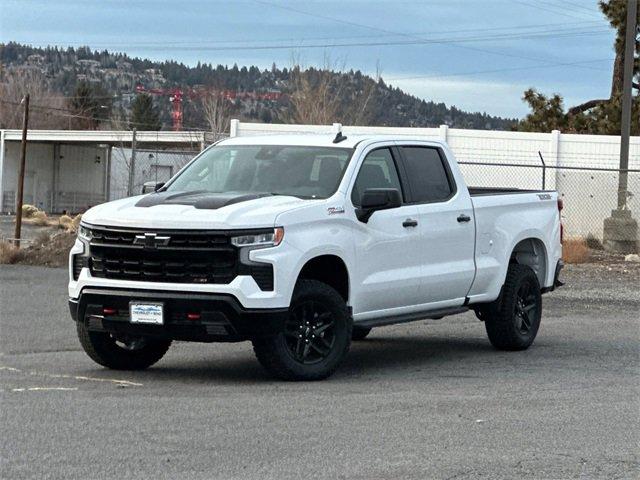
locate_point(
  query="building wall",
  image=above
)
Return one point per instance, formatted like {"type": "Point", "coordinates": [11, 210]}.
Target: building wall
{"type": "Point", "coordinates": [38, 179]}
{"type": "Point", "coordinates": [72, 182]}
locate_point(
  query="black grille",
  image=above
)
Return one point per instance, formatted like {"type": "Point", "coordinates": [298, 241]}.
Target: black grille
{"type": "Point", "coordinates": [78, 263]}
{"type": "Point", "coordinates": [263, 276]}
{"type": "Point", "coordinates": [185, 257]}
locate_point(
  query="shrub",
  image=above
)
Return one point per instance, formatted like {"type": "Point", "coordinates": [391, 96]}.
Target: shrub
{"type": "Point", "coordinates": [76, 222]}
{"type": "Point", "coordinates": [41, 239]}
{"type": "Point", "coordinates": [65, 222]}
{"type": "Point", "coordinates": [40, 218]}
{"type": "Point", "coordinates": [575, 250]}
{"type": "Point", "coordinates": [29, 211]}
{"type": "Point", "coordinates": [9, 253]}
{"type": "Point", "coordinates": [593, 242]}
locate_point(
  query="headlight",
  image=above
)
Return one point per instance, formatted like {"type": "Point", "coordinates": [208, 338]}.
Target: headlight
{"type": "Point", "coordinates": [84, 233]}
{"type": "Point", "coordinates": [271, 238]}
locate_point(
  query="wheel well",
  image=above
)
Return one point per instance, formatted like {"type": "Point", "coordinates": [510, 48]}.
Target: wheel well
{"type": "Point", "coordinates": [531, 252]}
{"type": "Point", "coordinates": [328, 269]}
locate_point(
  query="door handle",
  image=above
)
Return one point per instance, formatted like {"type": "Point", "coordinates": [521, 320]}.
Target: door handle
{"type": "Point", "coordinates": [410, 222]}
{"type": "Point", "coordinates": [464, 218]}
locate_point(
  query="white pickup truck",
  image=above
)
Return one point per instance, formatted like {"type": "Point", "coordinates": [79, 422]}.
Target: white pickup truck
{"type": "Point", "coordinates": [303, 243]}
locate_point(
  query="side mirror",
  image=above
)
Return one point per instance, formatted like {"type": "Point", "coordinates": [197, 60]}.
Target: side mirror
{"type": "Point", "coordinates": [375, 199]}
{"type": "Point", "coordinates": [148, 187]}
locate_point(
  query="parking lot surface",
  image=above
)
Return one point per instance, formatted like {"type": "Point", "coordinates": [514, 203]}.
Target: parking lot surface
{"type": "Point", "coordinates": [421, 400]}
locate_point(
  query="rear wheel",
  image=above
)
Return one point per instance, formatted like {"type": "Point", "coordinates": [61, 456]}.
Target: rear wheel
{"type": "Point", "coordinates": [121, 352]}
{"type": "Point", "coordinates": [315, 338]}
{"type": "Point", "coordinates": [512, 321]}
{"type": "Point", "coordinates": [360, 333]}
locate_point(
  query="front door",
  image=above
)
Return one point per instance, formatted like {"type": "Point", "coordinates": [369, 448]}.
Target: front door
{"type": "Point", "coordinates": [388, 270]}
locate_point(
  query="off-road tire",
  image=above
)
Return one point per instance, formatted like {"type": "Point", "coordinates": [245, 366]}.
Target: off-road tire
{"type": "Point", "coordinates": [273, 351]}
{"type": "Point", "coordinates": [506, 327]}
{"type": "Point", "coordinates": [103, 349]}
{"type": "Point", "coordinates": [360, 333]}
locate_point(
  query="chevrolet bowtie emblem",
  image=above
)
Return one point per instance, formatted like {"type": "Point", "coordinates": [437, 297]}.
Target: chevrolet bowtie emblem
{"type": "Point", "coordinates": [151, 240]}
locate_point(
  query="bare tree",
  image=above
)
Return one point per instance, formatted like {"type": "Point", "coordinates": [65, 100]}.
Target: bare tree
{"type": "Point", "coordinates": [47, 106]}
{"type": "Point", "coordinates": [314, 94]}
{"type": "Point", "coordinates": [359, 111]}
{"type": "Point", "coordinates": [326, 95]}
{"type": "Point", "coordinates": [217, 112]}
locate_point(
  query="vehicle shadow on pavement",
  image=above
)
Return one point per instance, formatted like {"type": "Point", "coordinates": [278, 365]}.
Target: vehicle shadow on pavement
{"type": "Point", "coordinates": [372, 356]}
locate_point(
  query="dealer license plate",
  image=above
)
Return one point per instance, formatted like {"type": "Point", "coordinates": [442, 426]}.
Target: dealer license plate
{"type": "Point", "coordinates": [147, 313]}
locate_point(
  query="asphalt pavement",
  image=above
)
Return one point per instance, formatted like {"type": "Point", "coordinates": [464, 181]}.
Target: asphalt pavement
{"type": "Point", "coordinates": [422, 400]}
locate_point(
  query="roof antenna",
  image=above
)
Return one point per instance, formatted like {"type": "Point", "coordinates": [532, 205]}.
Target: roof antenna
{"type": "Point", "coordinates": [337, 127]}
{"type": "Point", "coordinates": [339, 138]}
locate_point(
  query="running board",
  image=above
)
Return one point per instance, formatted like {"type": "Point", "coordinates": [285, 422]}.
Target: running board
{"type": "Point", "coordinates": [411, 317]}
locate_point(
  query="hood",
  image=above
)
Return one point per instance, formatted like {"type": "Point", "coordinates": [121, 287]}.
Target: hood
{"type": "Point", "coordinates": [193, 210]}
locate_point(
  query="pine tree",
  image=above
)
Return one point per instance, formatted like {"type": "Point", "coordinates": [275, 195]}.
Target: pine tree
{"type": "Point", "coordinates": [144, 115]}
{"type": "Point", "coordinates": [90, 106]}
{"type": "Point", "coordinates": [599, 116]}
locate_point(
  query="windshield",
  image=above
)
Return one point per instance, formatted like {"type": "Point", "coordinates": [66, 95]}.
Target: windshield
{"type": "Point", "coordinates": [306, 172]}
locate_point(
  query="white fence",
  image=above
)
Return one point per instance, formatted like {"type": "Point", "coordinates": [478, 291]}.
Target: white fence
{"type": "Point", "coordinates": [583, 168]}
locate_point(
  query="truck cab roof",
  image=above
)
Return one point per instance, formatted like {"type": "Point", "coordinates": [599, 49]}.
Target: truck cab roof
{"type": "Point", "coordinates": [322, 140]}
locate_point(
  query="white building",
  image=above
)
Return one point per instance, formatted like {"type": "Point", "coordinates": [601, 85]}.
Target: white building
{"type": "Point", "coordinates": [72, 170]}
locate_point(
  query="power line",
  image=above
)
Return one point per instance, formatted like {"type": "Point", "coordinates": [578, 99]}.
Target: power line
{"type": "Point", "coordinates": [65, 112]}
{"type": "Point", "coordinates": [591, 10]}
{"type": "Point", "coordinates": [325, 37]}
{"type": "Point", "coordinates": [453, 41]}
{"type": "Point", "coordinates": [562, 8]}
{"type": "Point", "coordinates": [359, 25]}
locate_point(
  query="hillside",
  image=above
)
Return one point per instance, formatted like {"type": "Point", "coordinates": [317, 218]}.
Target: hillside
{"type": "Point", "coordinates": [255, 95]}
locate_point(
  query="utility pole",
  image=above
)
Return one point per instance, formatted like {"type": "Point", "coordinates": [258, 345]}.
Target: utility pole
{"type": "Point", "coordinates": [621, 229]}
{"type": "Point", "coordinates": [132, 164]}
{"type": "Point", "coordinates": [23, 157]}
{"type": "Point", "coordinates": [629, 48]}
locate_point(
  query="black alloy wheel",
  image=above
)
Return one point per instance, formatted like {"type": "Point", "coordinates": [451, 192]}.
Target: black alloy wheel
{"type": "Point", "coordinates": [309, 332]}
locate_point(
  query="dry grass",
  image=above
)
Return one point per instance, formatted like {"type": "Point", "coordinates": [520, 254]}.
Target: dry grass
{"type": "Point", "coordinates": [40, 219]}
{"type": "Point", "coordinates": [575, 250]}
{"type": "Point", "coordinates": [65, 222]}
{"type": "Point", "coordinates": [9, 253]}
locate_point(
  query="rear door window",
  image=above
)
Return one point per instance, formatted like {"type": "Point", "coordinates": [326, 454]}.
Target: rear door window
{"type": "Point", "coordinates": [428, 177]}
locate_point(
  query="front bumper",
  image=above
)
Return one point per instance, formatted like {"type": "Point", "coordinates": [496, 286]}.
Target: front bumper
{"type": "Point", "coordinates": [221, 317]}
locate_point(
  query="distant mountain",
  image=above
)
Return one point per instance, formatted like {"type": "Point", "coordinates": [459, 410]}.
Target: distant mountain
{"type": "Point", "coordinates": [257, 95]}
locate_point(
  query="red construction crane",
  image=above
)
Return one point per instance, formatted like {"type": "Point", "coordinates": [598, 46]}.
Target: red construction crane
{"type": "Point", "coordinates": [175, 97]}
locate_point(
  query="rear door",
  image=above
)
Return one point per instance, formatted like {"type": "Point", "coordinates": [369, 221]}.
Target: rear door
{"type": "Point", "coordinates": [445, 221]}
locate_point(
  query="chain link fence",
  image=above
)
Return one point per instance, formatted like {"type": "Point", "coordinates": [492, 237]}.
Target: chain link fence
{"type": "Point", "coordinates": [588, 186]}
{"type": "Point", "coordinates": [128, 171]}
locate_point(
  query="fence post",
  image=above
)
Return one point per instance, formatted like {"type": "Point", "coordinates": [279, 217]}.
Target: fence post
{"type": "Point", "coordinates": [444, 132]}
{"type": "Point", "coordinates": [553, 158]}
{"type": "Point", "coordinates": [1, 171]}
{"type": "Point", "coordinates": [132, 165]}
{"type": "Point", "coordinates": [233, 127]}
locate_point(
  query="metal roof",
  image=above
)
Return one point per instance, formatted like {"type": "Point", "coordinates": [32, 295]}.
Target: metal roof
{"type": "Point", "coordinates": [104, 136]}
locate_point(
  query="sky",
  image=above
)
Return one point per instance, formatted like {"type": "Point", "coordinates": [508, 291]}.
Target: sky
{"type": "Point", "coordinates": [479, 55]}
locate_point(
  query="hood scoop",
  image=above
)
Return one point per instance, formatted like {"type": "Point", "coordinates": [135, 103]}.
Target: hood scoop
{"type": "Point", "coordinates": [199, 199]}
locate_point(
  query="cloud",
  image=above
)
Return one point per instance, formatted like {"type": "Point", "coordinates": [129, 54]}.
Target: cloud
{"type": "Point", "coordinates": [493, 97]}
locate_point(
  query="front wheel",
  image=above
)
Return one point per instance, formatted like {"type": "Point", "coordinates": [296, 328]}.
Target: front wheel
{"type": "Point", "coordinates": [121, 352]}
{"type": "Point", "coordinates": [512, 322]}
{"type": "Point", "coordinates": [315, 338]}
